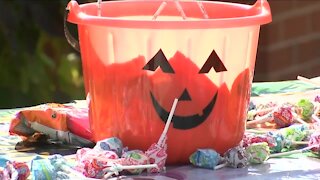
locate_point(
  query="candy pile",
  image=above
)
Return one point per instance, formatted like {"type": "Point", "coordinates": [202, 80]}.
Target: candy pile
{"type": "Point", "coordinates": [283, 114]}
{"type": "Point", "coordinates": [106, 156]}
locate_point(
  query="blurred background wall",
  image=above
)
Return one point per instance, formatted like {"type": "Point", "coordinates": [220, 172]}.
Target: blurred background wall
{"type": "Point", "coordinates": [37, 65]}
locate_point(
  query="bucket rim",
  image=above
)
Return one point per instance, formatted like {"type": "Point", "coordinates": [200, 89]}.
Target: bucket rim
{"type": "Point", "coordinates": [260, 14]}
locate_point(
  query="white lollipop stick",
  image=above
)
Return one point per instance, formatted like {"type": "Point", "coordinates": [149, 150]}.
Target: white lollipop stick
{"type": "Point", "coordinates": [203, 10]}
{"type": "Point", "coordinates": [292, 152]}
{"type": "Point", "coordinates": [159, 10]}
{"type": "Point", "coordinates": [99, 7]}
{"type": "Point", "coordinates": [116, 168]}
{"type": "Point", "coordinates": [298, 119]}
{"type": "Point", "coordinates": [316, 83]}
{"type": "Point", "coordinates": [220, 166]}
{"type": "Point", "coordinates": [164, 133]}
{"type": "Point", "coordinates": [180, 9]}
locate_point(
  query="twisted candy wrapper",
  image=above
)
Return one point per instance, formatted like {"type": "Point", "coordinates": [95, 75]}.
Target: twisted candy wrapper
{"type": "Point", "coordinates": [135, 157]}
{"type": "Point", "coordinates": [283, 117]}
{"type": "Point", "coordinates": [157, 155]}
{"type": "Point", "coordinates": [296, 132]}
{"type": "Point", "coordinates": [205, 158]}
{"type": "Point", "coordinates": [280, 144]}
{"type": "Point", "coordinates": [14, 171]}
{"type": "Point", "coordinates": [258, 153]}
{"type": "Point", "coordinates": [91, 162]}
{"type": "Point", "coordinates": [110, 144]}
{"type": "Point", "coordinates": [315, 140]}
{"type": "Point", "coordinates": [236, 157]}
{"type": "Point", "coordinates": [305, 109]}
{"type": "Point", "coordinates": [249, 139]}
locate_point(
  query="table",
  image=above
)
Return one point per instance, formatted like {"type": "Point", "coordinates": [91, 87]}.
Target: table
{"type": "Point", "coordinates": [294, 167]}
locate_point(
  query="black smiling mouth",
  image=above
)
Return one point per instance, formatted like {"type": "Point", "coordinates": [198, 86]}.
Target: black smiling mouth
{"type": "Point", "coordinates": [184, 122]}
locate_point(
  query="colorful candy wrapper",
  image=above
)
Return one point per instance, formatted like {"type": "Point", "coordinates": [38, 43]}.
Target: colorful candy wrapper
{"type": "Point", "coordinates": [91, 162]}
{"type": "Point", "coordinates": [4, 174]}
{"type": "Point", "coordinates": [249, 139]}
{"type": "Point", "coordinates": [258, 153]}
{"type": "Point", "coordinates": [157, 152]}
{"type": "Point", "coordinates": [135, 157]}
{"type": "Point", "coordinates": [16, 170]}
{"type": "Point", "coordinates": [110, 144]}
{"type": "Point", "coordinates": [3, 161]}
{"type": "Point", "coordinates": [205, 158]}
{"type": "Point", "coordinates": [295, 132]}
{"type": "Point", "coordinates": [42, 169]}
{"type": "Point", "coordinates": [236, 157]}
{"type": "Point", "coordinates": [280, 141]}
{"type": "Point", "coordinates": [314, 141]}
{"type": "Point", "coordinates": [283, 117]}
{"type": "Point", "coordinates": [305, 109]}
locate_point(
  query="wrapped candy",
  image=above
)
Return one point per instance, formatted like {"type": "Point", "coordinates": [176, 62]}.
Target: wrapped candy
{"type": "Point", "coordinates": [91, 162]}
{"type": "Point", "coordinates": [283, 117]}
{"type": "Point", "coordinates": [205, 158]}
{"type": "Point", "coordinates": [280, 142]}
{"type": "Point", "coordinates": [236, 157]}
{"type": "Point", "coordinates": [110, 144]}
{"type": "Point", "coordinates": [257, 153]}
{"type": "Point", "coordinates": [305, 109]}
{"type": "Point", "coordinates": [135, 157]}
{"type": "Point", "coordinates": [249, 139]}
{"type": "Point", "coordinates": [314, 141]}
{"type": "Point", "coordinates": [295, 132]}
{"type": "Point", "coordinates": [14, 170]}
{"type": "Point", "coordinates": [53, 167]}
{"type": "Point", "coordinates": [157, 152]}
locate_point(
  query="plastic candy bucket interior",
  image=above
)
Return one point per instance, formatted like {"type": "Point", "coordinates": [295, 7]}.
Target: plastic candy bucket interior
{"type": "Point", "coordinates": [135, 65]}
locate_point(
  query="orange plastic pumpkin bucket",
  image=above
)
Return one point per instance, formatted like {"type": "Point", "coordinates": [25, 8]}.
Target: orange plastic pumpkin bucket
{"type": "Point", "coordinates": [137, 59]}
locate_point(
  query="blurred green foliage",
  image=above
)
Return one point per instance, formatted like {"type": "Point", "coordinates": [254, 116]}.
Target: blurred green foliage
{"type": "Point", "coordinates": [37, 65]}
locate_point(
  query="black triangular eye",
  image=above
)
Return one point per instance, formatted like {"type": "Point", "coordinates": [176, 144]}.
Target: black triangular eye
{"type": "Point", "coordinates": [159, 60]}
{"type": "Point", "coordinates": [213, 61]}
{"type": "Point", "coordinates": [185, 96]}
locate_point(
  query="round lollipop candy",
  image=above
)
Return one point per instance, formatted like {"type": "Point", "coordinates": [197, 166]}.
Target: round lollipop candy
{"type": "Point", "coordinates": [249, 139]}
{"type": "Point", "coordinates": [205, 158]}
{"type": "Point", "coordinates": [305, 109]}
{"type": "Point", "coordinates": [236, 157]}
{"type": "Point", "coordinates": [283, 117]}
{"type": "Point", "coordinates": [110, 144]}
{"type": "Point", "coordinates": [135, 157]}
{"type": "Point", "coordinates": [257, 153]}
{"type": "Point", "coordinates": [314, 141]}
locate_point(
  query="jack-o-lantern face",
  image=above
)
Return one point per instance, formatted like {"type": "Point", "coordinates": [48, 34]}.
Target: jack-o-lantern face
{"type": "Point", "coordinates": [131, 101]}
{"type": "Point", "coordinates": [192, 120]}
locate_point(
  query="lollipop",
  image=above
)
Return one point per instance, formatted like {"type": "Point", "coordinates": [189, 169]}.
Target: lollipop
{"type": "Point", "coordinates": [249, 139]}
{"type": "Point", "coordinates": [314, 141]}
{"type": "Point", "coordinates": [157, 152]}
{"type": "Point", "coordinates": [110, 144]}
{"type": "Point", "coordinates": [135, 157]}
{"type": "Point", "coordinates": [236, 157]}
{"type": "Point", "coordinates": [305, 109]}
{"type": "Point", "coordinates": [205, 158]}
{"type": "Point", "coordinates": [257, 153]}
{"type": "Point", "coordinates": [283, 117]}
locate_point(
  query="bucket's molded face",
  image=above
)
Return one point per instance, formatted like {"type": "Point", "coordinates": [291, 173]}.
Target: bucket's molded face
{"type": "Point", "coordinates": [133, 75]}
